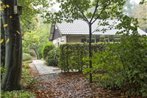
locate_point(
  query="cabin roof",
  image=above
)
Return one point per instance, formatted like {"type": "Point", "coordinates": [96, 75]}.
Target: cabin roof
{"type": "Point", "coordinates": [79, 27]}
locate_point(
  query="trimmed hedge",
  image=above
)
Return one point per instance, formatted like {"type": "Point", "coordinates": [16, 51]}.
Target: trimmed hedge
{"type": "Point", "coordinates": [72, 55]}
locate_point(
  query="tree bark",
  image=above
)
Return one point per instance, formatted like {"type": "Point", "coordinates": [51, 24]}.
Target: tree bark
{"type": "Point", "coordinates": [2, 45]}
{"type": "Point", "coordinates": [90, 51]}
{"type": "Point", "coordinates": [13, 59]}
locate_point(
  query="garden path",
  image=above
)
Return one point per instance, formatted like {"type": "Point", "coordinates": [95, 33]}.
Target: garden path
{"type": "Point", "coordinates": [52, 83]}
{"type": "Point", "coordinates": [43, 69]}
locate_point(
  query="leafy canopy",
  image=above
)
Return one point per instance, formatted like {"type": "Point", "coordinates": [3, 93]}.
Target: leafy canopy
{"type": "Point", "coordinates": [87, 10]}
{"type": "Point", "coordinates": [30, 10]}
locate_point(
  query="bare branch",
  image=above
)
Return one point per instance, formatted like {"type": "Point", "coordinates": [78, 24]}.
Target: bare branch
{"type": "Point", "coordinates": [95, 10]}
{"type": "Point", "coordinates": [101, 12]}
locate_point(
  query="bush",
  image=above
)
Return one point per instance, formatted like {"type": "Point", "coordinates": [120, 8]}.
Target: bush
{"type": "Point", "coordinates": [26, 79]}
{"type": "Point", "coordinates": [47, 47]}
{"type": "Point", "coordinates": [133, 55]}
{"type": "Point", "coordinates": [107, 68]}
{"type": "Point", "coordinates": [52, 57]}
{"type": "Point", "coordinates": [26, 57]}
{"type": "Point", "coordinates": [123, 65]}
{"type": "Point", "coordinates": [50, 54]}
{"type": "Point", "coordinates": [72, 55]}
{"type": "Point", "coordinates": [17, 94]}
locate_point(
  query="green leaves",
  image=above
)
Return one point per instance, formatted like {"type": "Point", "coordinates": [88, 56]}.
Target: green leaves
{"type": "Point", "coordinates": [86, 9]}
{"type": "Point", "coordinates": [31, 8]}
{"type": "Point", "coordinates": [75, 56]}
{"type": "Point", "coordinates": [123, 65]}
{"type": "Point", "coordinates": [132, 52]}
{"type": "Point", "coordinates": [17, 94]}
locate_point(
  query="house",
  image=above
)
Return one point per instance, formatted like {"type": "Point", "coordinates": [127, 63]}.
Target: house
{"type": "Point", "coordinates": [78, 31]}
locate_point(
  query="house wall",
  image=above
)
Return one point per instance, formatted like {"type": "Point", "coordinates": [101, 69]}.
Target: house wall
{"type": "Point", "coordinates": [75, 38]}
{"type": "Point", "coordinates": [59, 41]}
{"type": "Point", "coordinates": [56, 33]}
{"type": "Point", "coordinates": [78, 38]}
{"type": "Point", "coordinates": [68, 39]}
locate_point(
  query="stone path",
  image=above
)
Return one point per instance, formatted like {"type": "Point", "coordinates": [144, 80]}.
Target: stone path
{"type": "Point", "coordinates": [43, 69]}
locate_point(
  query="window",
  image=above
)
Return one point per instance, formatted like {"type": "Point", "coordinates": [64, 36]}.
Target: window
{"type": "Point", "coordinates": [87, 40]}
{"type": "Point", "coordinates": [83, 40]}
{"type": "Point", "coordinates": [92, 40]}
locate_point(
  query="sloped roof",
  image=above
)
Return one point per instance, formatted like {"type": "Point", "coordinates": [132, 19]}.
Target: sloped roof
{"type": "Point", "coordinates": [79, 27]}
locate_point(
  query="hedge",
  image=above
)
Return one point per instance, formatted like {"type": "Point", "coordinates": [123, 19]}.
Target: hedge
{"type": "Point", "coordinates": [72, 56]}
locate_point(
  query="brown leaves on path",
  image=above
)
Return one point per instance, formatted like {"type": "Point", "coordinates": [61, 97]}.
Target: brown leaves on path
{"type": "Point", "coordinates": [69, 85]}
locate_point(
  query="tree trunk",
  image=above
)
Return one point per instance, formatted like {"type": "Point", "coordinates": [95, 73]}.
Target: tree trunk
{"type": "Point", "coordinates": [2, 50]}
{"type": "Point", "coordinates": [13, 59]}
{"type": "Point", "coordinates": [90, 51]}
{"type": "Point", "coordinates": [2, 45]}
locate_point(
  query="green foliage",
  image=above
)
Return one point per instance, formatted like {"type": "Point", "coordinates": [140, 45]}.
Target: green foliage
{"type": "Point", "coordinates": [87, 10]}
{"type": "Point", "coordinates": [26, 57]}
{"type": "Point", "coordinates": [30, 11]}
{"type": "Point", "coordinates": [50, 54]}
{"type": "Point", "coordinates": [35, 40]}
{"type": "Point", "coordinates": [72, 56]}
{"type": "Point", "coordinates": [2, 70]}
{"type": "Point", "coordinates": [52, 57]}
{"type": "Point", "coordinates": [46, 48]}
{"type": "Point", "coordinates": [26, 78]}
{"type": "Point", "coordinates": [30, 41]}
{"type": "Point", "coordinates": [44, 36]}
{"type": "Point", "coordinates": [123, 65]}
{"type": "Point", "coordinates": [133, 55]}
{"type": "Point", "coordinates": [107, 67]}
{"type": "Point", "coordinates": [17, 94]}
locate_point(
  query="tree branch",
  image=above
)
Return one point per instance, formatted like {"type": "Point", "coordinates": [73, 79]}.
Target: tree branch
{"type": "Point", "coordinates": [101, 12]}
{"type": "Point", "coordinates": [83, 15]}
{"type": "Point", "coordinates": [95, 10]}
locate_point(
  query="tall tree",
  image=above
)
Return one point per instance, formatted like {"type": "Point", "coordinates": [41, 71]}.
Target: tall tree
{"type": "Point", "coordinates": [87, 10]}
{"type": "Point", "coordinates": [2, 43]}
{"type": "Point", "coordinates": [13, 59]}
{"type": "Point", "coordinates": [11, 38]}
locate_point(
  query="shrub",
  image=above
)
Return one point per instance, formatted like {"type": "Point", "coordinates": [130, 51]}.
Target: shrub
{"type": "Point", "coordinates": [52, 57]}
{"type": "Point", "coordinates": [26, 79]}
{"type": "Point", "coordinates": [107, 68]}
{"type": "Point", "coordinates": [47, 47]}
{"type": "Point", "coordinates": [17, 94]}
{"type": "Point", "coordinates": [123, 65]}
{"type": "Point", "coordinates": [72, 55]}
{"type": "Point", "coordinates": [133, 55]}
{"type": "Point", "coordinates": [26, 57]}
